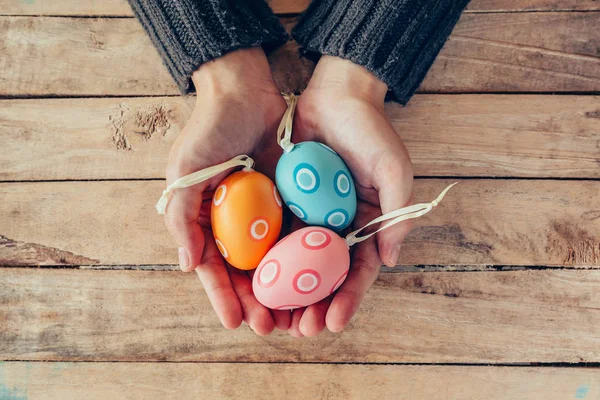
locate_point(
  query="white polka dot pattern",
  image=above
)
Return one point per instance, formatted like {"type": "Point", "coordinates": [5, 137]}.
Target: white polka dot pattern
{"type": "Point", "coordinates": [315, 239]}
{"type": "Point", "coordinates": [343, 184]}
{"type": "Point", "coordinates": [297, 211]}
{"type": "Point", "coordinates": [253, 229]}
{"type": "Point", "coordinates": [336, 219]}
{"type": "Point", "coordinates": [307, 281]}
{"type": "Point", "coordinates": [328, 148]}
{"type": "Point", "coordinates": [305, 172]}
{"type": "Point", "coordinates": [221, 248]}
{"type": "Point", "coordinates": [283, 281]}
{"type": "Point", "coordinates": [339, 282]}
{"type": "Point", "coordinates": [220, 195]}
{"type": "Point", "coordinates": [269, 273]}
{"type": "Point", "coordinates": [276, 195]}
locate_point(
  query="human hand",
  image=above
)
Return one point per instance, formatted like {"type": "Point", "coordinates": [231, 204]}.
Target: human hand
{"type": "Point", "coordinates": [238, 108]}
{"type": "Point", "coordinates": [343, 107]}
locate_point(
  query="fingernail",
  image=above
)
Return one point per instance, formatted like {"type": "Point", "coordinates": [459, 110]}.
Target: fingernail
{"type": "Point", "coordinates": [394, 256]}
{"type": "Point", "coordinates": [184, 259]}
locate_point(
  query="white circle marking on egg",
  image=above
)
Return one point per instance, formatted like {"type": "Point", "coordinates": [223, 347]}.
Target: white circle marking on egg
{"type": "Point", "coordinates": [219, 199]}
{"type": "Point", "coordinates": [297, 211]}
{"type": "Point", "coordinates": [310, 174]}
{"type": "Point", "coordinates": [255, 225]}
{"type": "Point", "coordinates": [269, 273]}
{"type": "Point", "coordinates": [339, 282]}
{"type": "Point", "coordinates": [331, 219]}
{"type": "Point", "coordinates": [221, 248]}
{"type": "Point", "coordinates": [328, 148]}
{"type": "Point", "coordinates": [343, 184]}
{"type": "Point", "coordinates": [315, 239]}
{"type": "Point", "coordinates": [307, 282]}
{"type": "Point", "coordinates": [283, 308]}
{"type": "Point", "coordinates": [277, 198]}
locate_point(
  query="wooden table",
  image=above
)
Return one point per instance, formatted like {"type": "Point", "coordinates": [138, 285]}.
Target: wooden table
{"type": "Point", "coordinates": [498, 291]}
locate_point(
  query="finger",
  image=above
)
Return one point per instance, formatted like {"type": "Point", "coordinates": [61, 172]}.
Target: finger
{"type": "Point", "coordinates": [295, 323]}
{"type": "Point", "coordinates": [181, 219]}
{"type": "Point", "coordinates": [218, 287]}
{"type": "Point", "coordinates": [282, 319]}
{"type": "Point", "coordinates": [394, 181]}
{"type": "Point", "coordinates": [364, 269]}
{"type": "Point", "coordinates": [255, 314]}
{"type": "Point", "coordinates": [312, 322]}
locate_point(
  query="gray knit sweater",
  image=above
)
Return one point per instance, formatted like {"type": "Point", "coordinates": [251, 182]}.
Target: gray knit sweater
{"type": "Point", "coordinates": [397, 40]}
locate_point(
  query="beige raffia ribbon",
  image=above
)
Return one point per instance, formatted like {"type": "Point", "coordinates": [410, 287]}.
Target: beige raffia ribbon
{"type": "Point", "coordinates": [396, 217]}
{"type": "Point", "coordinates": [284, 132]}
{"type": "Point", "coordinates": [201, 176]}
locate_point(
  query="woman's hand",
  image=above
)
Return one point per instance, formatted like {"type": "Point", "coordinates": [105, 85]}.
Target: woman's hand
{"type": "Point", "coordinates": [238, 109]}
{"type": "Point", "coordinates": [343, 107]}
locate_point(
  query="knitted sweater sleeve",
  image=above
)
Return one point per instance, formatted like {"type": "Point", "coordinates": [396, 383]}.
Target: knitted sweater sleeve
{"type": "Point", "coordinates": [397, 40]}
{"type": "Point", "coordinates": [188, 33]}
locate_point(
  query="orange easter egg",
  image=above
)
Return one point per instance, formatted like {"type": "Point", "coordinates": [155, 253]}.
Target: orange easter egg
{"type": "Point", "coordinates": [246, 218]}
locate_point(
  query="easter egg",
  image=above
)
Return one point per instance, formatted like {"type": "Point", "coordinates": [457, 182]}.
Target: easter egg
{"type": "Point", "coordinates": [246, 215]}
{"type": "Point", "coordinates": [304, 267]}
{"type": "Point", "coordinates": [317, 186]}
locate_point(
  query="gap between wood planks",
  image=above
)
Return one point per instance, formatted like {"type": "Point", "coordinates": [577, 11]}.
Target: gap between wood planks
{"type": "Point", "coordinates": [384, 269]}
{"type": "Point", "coordinates": [424, 92]}
{"type": "Point", "coordinates": [282, 7]}
{"type": "Point", "coordinates": [575, 365]}
{"type": "Point", "coordinates": [295, 15]}
{"type": "Point", "coordinates": [450, 177]}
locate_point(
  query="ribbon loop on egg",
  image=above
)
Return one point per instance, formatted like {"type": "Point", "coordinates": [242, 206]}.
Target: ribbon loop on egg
{"type": "Point", "coordinates": [284, 131]}
{"type": "Point", "coordinates": [397, 216]}
{"type": "Point", "coordinates": [201, 176]}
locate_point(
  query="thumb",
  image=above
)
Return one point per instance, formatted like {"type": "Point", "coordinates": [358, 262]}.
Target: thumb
{"type": "Point", "coordinates": [181, 219]}
{"type": "Point", "coordinates": [394, 182]}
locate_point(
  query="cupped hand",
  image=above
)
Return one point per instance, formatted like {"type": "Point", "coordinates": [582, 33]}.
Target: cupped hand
{"type": "Point", "coordinates": [238, 108]}
{"type": "Point", "coordinates": [343, 107]}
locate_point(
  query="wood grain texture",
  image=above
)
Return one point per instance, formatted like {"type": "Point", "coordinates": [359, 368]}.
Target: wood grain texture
{"type": "Point", "coordinates": [461, 135]}
{"type": "Point", "coordinates": [99, 381]}
{"type": "Point", "coordinates": [469, 317]}
{"type": "Point", "coordinates": [532, 5]}
{"type": "Point", "coordinates": [519, 53]}
{"type": "Point", "coordinates": [487, 53]}
{"type": "Point", "coordinates": [120, 8]}
{"type": "Point", "coordinates": [109, 8]}
{"type": "Point", "coordinates": [87, 8]}
{"type": "Point", "coordinates": [481, 222]}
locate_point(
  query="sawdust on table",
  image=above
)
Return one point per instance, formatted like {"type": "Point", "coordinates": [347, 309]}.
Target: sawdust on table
{"type": "Point", "coordinates": [145, 121]}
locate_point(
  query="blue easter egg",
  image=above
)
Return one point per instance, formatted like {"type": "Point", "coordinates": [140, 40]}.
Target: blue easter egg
{"type": "Point", "coordinates": [317, 186]}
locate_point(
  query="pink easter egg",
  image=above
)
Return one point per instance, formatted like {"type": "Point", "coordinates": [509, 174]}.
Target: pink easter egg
{"type": "Point", "coordinates": [301, 269]}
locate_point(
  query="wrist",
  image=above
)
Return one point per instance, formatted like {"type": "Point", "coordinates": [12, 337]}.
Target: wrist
{"type": "Point", "coordinates": [349, 79]}
{"type": "Point", "coordinates": [242, 70]}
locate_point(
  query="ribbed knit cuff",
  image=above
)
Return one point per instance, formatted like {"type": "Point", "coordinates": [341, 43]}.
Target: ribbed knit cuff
{"type": "Point", "coordinates": [188, 33]}
{"type": "Point", "coordinates": [397, 40]}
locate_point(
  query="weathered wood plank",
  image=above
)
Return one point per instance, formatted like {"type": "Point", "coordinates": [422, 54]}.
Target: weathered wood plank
{"type": "Point", "coordinates": [481, 222]}
{"type": "Point", "coordinates": [437, 317]}
{"type": "Point", "coordinates": [120, 8]}
{"type": "Point", "coordinates": [517, 52]}
{"type": "Point", "coordinates": [276, 381]}
{"type": "Point", "coordinates": [463, 135]}
{"type": "Point", "coordinates": [88, 8]}
{"type": "Point", "coordinates": [487, 53]}
{"type": "Point", "coordinates": [532, 5]}
{"type": "Point", "coordinates": [109, 8]}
